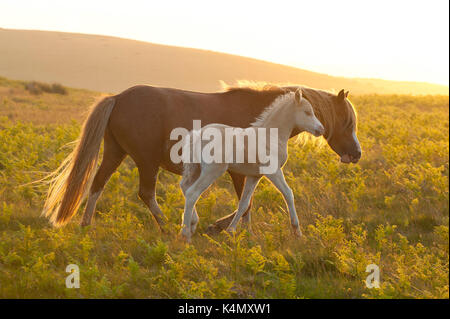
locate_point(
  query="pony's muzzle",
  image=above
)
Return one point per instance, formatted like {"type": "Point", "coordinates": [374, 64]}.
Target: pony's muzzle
{"type": "Point", "coordinates": [357, 156]}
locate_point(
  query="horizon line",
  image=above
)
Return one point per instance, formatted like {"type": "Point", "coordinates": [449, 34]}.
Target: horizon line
{"type": "Point", "coordinates": [231, 54]}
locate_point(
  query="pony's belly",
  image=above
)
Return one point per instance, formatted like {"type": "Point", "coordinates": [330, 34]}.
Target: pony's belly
{"type": "Point", "coordinates": [245, 169]}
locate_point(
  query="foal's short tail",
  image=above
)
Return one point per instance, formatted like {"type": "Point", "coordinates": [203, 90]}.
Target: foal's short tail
{"type": "Point", "coordinates": [69, 183]}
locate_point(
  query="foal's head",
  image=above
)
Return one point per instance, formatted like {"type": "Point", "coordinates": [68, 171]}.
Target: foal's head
{"type": "Point", "coordinates": [305, 119]}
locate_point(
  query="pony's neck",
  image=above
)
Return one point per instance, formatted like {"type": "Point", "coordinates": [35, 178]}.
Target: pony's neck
{"type": "Point", "coordinates": [323, 106]}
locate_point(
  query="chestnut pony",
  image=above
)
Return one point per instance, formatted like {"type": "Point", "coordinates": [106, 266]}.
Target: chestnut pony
{"type": "Point", "coordinates": [138, 122]}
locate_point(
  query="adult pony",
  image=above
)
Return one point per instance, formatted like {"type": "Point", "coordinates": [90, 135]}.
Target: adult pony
{"type": "Point", "coordinates": [138, 122]}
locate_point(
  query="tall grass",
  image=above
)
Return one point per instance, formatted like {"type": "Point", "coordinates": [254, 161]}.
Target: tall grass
{"type": "Point", "coordinates": [391, 209]}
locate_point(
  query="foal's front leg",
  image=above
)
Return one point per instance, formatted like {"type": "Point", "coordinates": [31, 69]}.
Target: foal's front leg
{"type": "Point", "coordinates": [224, 222]}
{"type": "Point", "coordinates": [250, 184]}
{"type": "Point", "coordinates": [280, 183]}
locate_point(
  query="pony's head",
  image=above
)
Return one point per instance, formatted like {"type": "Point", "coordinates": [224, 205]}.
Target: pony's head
{"type": "Point", "coordinates": [339, 119]}
{"type": "Point", "coordinates": [304, 117]}
{"type": "Point", "coordinates": [342, 135]}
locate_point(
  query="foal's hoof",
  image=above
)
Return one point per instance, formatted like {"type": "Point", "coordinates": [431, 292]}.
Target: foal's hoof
{"type": "Point", "coordinates": [298, 233]}
{"type": "Point", "coordinates": [84, 224]}
{"type": "Point", "coordinates": [185, 236]}
{"type": "Point", "coordinates": [250, 231]}
{"type": "Point", "coordinates": [185, 239]}
{"type": "Point", "coordinates": [231, 230]}
{"type": "Point", "coordinates": [193, 228]}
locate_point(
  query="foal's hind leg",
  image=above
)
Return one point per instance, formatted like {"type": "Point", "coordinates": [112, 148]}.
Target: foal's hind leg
{"type": "Point", "coordinates": [209, 173]}
{"type": "Point", "coordinates": [113, 155]}
{"type": "Point", "coordinates": [186, 182]}
{"type": "Point", "coordinates": [147, 191]}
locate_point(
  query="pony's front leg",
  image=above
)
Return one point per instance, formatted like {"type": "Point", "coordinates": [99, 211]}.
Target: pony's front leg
{"type": "Point", "coordinates": [250, 184]}
{"type": "Point", "coordinates": [280, 183]}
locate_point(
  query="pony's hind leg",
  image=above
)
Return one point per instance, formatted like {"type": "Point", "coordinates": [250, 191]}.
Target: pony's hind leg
{"type": "Point", "coordinates": [148, 176]}
{"type": "Point", "coordinates": [280, 183]}
{"type": "Point", "coordinates": [209, 173]}
{"type": "Point", "coordinates": [250, 184]}
{"type": "Point", "coordinates": [112, 157]}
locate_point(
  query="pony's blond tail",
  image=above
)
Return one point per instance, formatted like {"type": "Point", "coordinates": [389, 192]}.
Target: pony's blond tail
{"type": "Point", "coordinates": [70, 182]}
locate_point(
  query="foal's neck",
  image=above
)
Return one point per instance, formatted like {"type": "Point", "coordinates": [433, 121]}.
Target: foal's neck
{"type": "Point", "coordinates": [280, 118]}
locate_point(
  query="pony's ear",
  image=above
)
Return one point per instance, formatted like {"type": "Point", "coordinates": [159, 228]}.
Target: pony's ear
{"type": "Point", "coordinates": [298, 95]}
{"type": "Point", "coordinates": [346, 93]}
{"type": "Point", "coordinates": [341, 95]}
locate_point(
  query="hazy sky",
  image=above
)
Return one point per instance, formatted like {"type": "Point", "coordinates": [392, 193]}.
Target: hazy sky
{"type": "Point", "coordinates": [395, 39]}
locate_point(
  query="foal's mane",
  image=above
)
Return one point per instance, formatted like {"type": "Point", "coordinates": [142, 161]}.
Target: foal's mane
{"type": "Point", "coordinates": [276, 105]}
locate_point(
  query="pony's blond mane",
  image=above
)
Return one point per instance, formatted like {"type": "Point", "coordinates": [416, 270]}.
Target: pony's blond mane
{"type": "Point", "coordinates": [321, 100]}
{"type": "Point", "coordinates": [251, 85]}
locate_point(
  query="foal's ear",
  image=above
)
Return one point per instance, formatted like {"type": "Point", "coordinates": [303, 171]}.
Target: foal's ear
{"type": "Point", "coordinates": [298, 95]}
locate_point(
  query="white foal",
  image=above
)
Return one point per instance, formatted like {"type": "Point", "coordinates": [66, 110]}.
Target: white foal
{"type": "Point", "coordinates": [287, 113]}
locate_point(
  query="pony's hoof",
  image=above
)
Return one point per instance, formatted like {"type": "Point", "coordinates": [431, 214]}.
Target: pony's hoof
{"type": "Point", "coordinates": [84, 224]}
{"type": "Point", "coordinates": [213, 230]}
{"type": "Point", "coordinates": [218, 226]}
{"type": "Point", "coordinates": [162, 226]}
{"type": "Point", "coordinates": [163, 230]}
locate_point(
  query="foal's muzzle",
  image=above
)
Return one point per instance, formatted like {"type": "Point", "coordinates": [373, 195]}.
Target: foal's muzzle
{"type": "Point", "coordinates": [318, 131]}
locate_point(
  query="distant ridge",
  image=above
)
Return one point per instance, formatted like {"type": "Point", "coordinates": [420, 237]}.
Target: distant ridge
{"type": "Point", "coordinates": [111, 64]}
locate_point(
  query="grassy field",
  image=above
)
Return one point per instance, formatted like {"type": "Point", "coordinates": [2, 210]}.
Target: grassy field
{"type": "Point", "coordinates": [390, 209]}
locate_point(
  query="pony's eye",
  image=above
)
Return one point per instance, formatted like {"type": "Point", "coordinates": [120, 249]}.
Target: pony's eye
{"type": "Point", "coordinates": [309, 113]}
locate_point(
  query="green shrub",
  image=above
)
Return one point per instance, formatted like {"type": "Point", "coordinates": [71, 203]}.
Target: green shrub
{"type": "Point", "coordinates": [390, 209]}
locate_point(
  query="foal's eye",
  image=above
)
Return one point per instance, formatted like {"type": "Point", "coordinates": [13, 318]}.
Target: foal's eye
{"type": "Point", "coordinates": [309, 113]}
